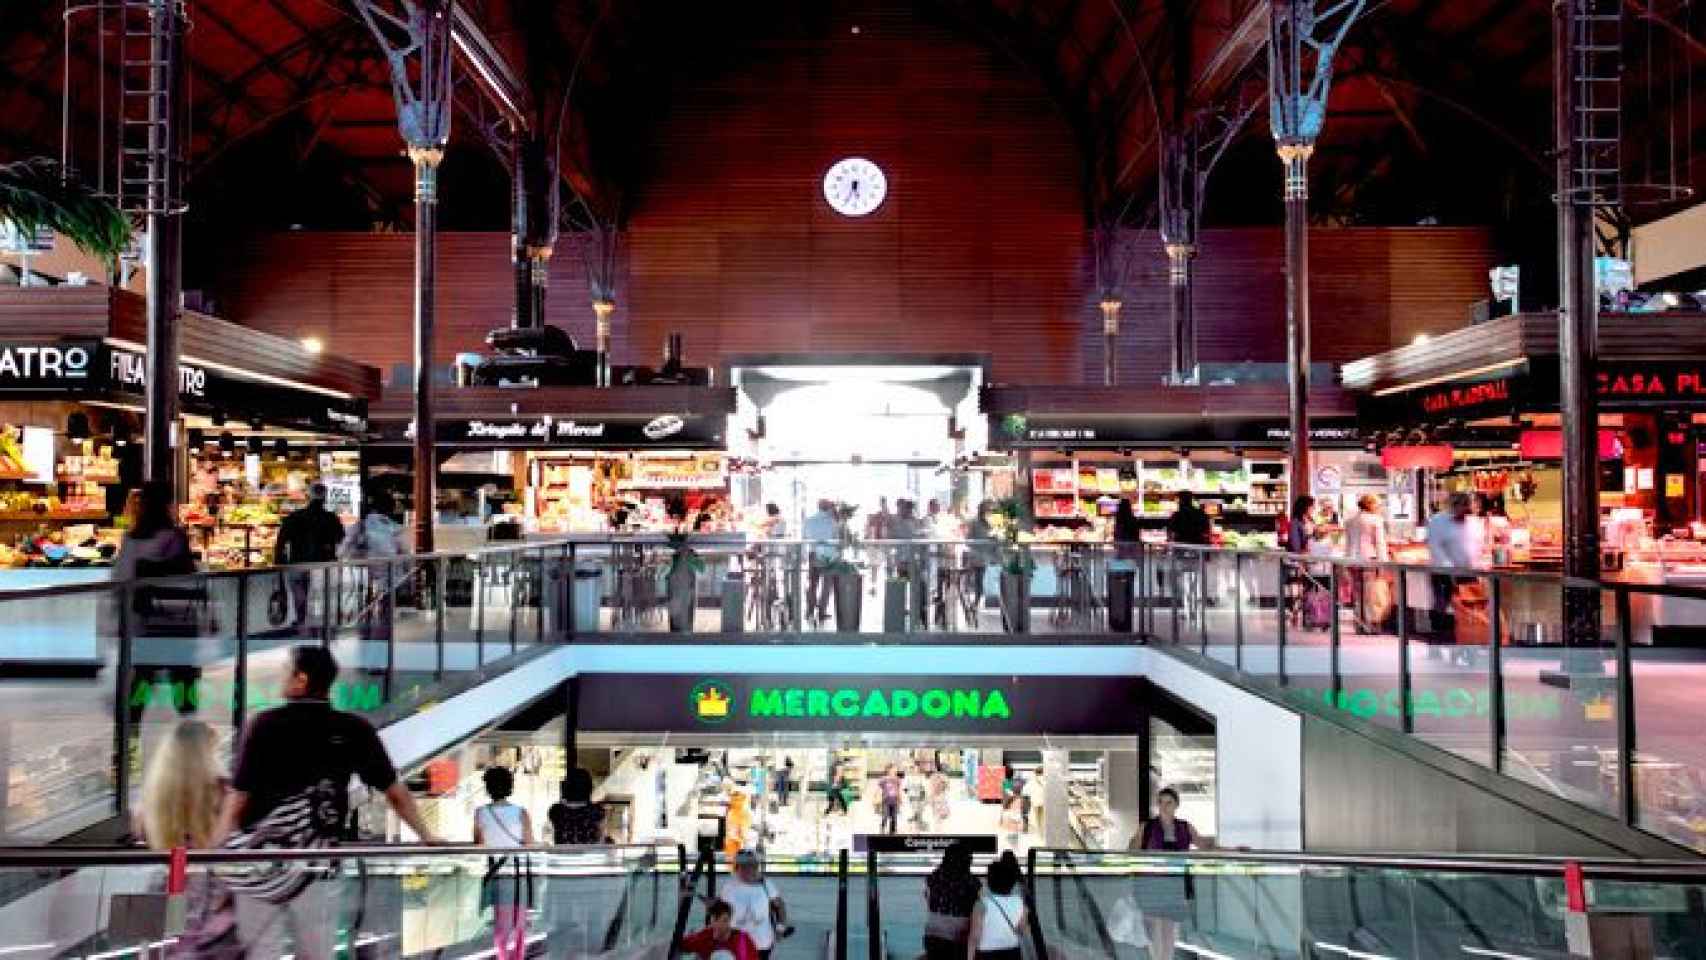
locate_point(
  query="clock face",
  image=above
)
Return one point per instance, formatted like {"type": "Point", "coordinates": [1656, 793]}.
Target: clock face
{"type": "Point", "coordinates": [855, 186]}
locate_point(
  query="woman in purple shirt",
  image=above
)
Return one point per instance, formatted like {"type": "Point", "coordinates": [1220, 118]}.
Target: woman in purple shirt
{"type": "Point", "coordinates": [1165, 903]}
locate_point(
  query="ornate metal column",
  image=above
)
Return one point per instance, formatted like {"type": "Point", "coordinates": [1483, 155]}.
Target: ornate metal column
{"type": "Point", "coordinates": [537, 211]}
{"type": "Point", "coordinates": [602, 308]}
{"type": "Point", "coordinates": [1110, 337]}
{"type": "Point", "coordinates": [416, 41]}
{"type": "Point", "coordinates": [1180, 197]}
{"type": "Point", "coordinates": [520, 264]}
{"type": "Point", "coordinates": [151, 154]}
{"type": "Point", "coordinates": [1302, 43]}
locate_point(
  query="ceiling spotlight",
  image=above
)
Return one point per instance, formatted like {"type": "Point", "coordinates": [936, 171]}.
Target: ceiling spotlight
{"type": "Point", "coordinates": [281, 448]}
{"type": "Point", "coordinates": [227, 442]}
{"type": "Point", "coordinates": [197, 438]}
{"type": "Point", "coordinates": [854, 30]}
{"type": "Point", "coordinates": [256, 445]}
{"type": "Point", "coordinates": [312, 344]}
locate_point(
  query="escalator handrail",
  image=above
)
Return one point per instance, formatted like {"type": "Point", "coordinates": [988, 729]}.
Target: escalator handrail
{"type": "Point", "coordinates": [613, 933]}
{"type": "Point", "coordinates": [873, 909]}
{"type": "Point", "coordinates": [1027, 891]}
{"type": "Point", "coordinates": [1680, 871]}
{"type": "Point", "coordinates": [841, 906]}
{"type": "Point", "coordinates": [1103, 937]}
{"type": "Point", "coordinates": [684, 906]}
{"type": "Point", "coordinates": [74, 857]}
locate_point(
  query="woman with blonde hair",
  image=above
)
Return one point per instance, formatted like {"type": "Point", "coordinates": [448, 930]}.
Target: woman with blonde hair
{"type": "Point", "coordinates": [182, 789]}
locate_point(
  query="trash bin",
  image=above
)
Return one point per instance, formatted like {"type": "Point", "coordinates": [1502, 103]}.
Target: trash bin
{"type": "Point", "coordinates": [589, 596]}
{"type": "Point", "coordinates": [734, 602]}
{"type": "Point", "coordinates": [1122, 579]}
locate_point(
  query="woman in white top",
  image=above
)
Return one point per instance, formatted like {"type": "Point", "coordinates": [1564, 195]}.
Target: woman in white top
{"type": "Point", "coordinates": [998, 921]}
{"type": "Point", "coordinates": [508, 887]}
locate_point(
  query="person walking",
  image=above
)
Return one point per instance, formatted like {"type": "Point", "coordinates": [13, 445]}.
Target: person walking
{"type": "Point", "coordinates": [1032, 794]}
{"type": "Point", "coordinates": [1365, 539]}
{"type": "Point", "coordinates": [1012, 819]}
{"type": "Point", "coordinates": [156, 546]}
{"type": "Point", "coordinates": [309, 535]}
{"type": "Point", "coordinates": [784, 782]}
{"type": "Point", "coordinates": [719, 940]}
{"type": "Point", "coordinates": [981, 553]}
{"type": "Point", "coordinates": [950, 896]}
{"type": "Point", "coordinates": [838, 792]}
{"type": "Point", "coordinates": [1449, 545]}
{"type": "Point", "coordinates": [756, 904]}
{"type": "Point", "coordinates": [575, 820]}
{"type": "Point", "coordinates": [1165, 903]}
{"type": "Point", "coordinates": [888, 800]}
{"type": "Point", "coordinates": [376, 535]}
{"type": "Point", "coordinates": [820, 530]}
{"type": "Point", "coordinates": [182, 790]}
{"type": "Point", "coordinates": [290, 789]}
{"type": "Point", "coordinates": [999, 921]}
{"type": "Point", "coordinates": [508, 885]}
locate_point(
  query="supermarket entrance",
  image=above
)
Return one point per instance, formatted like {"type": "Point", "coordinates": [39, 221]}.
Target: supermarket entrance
{"type": "Point", "coordinates": [857, 433]}
{"type": "Point", "coordinates": [1013, 762]}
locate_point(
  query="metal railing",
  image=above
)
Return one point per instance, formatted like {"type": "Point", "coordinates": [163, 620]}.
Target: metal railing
{"type": "Point", "coordinates": [1477, 662]}
{"type": "Point", "coordinates": [101, 668]}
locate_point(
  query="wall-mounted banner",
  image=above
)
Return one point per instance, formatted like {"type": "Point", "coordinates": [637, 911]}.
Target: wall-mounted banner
{"type": "Point", "coordinates": [664, 431]}
{"type": "Point", "coordinates": [736, 703]}
{"type": "Point", "coordinates": [55, 365]}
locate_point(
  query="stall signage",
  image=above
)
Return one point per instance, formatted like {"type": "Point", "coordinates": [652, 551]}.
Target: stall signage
{"type": "Point", "coordinates": [65, 365]}
{"type": "Point", "coordinates": [129, 371]}
{"type": "Point", "coordinates": [761, 703]}
{"type": "Point", "coordinates": [922, 842]}
{"type": "Point", "coordinates": [1652, 381]}
{"type": "Point", "coordinates": [1052, 430]}
{"type": "Point", "coordinates": [1467, 396]}
{"type": "Point", "coordinates": [672, 430]}
{"type": "Point", "coordinates": [1446, 702]}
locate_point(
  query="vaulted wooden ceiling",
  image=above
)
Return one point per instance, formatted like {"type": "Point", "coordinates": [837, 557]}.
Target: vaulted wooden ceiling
{"type": "Point", "coordinates": [1441, 107]}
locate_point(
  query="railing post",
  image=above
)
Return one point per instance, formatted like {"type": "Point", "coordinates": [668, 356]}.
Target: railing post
{"type": "Point", "coordinates": [479, 610]}
{"type": "Point", "coordinates": [441, 580]}
{"type": "Point", "coordinates": [1279, 616]}
{"type": "Point", "coordinates": [1496, 674]}
{"type": "Point", "coordinates": [538, 597]}
{"type": "Point", "coordinates": [1333, 628]}
{"type": "Point", "coordinates": [1406, 719]}
{"type": "Point", "coordinates": [325, 605]}
{"type": "Point", "coordinates": [390, 639]}
{"type": "Point", "coordinates": [514, 605]}
{"type": "Point", "coordinates": [1626, 799]}
{"type": "Point", "coordinates": [240, 668]}
{"type": "Point", "coordinates": [571, 573]}
{"type": "Point", "coordinates": [121, 703]}
{"type": "Point", "coordinates": [1202, 598]}
{"type": "Point", "coordinates": [1238, 610]}
{"type": "Point", "coordinates": [1173, 589]}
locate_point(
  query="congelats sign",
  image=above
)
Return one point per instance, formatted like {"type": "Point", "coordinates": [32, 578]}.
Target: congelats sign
{"type": "Point", "coordinates": [761, 703]}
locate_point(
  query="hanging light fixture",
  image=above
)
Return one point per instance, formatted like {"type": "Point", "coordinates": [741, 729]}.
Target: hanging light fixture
{"type": "Point", "coordinates": [227, 443]}
{"type": "Point", "coordinates": [197, 438]}
{"type": "Point", "coordinates": [281, 448]}
{"type": "Point", "coordinates": [77, 426]}
{"type": "Point", "coordinates": [256, 445]}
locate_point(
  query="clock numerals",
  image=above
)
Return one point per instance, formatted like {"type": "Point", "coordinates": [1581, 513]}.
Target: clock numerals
{"type": "Point", "coordinates": [854, 187]}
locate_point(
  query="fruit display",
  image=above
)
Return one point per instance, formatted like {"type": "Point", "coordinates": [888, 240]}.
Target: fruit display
{"type": "Point", "coordinates": [11, 454]}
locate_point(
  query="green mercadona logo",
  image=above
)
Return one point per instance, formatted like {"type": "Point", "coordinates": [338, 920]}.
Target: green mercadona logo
{"type": "Point", "coordinates": [713, 702]}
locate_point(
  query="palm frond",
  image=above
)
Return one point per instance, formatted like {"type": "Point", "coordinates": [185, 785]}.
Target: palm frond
{"type": "Point", "coordinates": [37, 193]}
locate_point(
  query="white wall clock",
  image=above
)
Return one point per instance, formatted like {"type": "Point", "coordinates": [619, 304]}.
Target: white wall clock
{"type": "Point", "coordinates": [855, 186]}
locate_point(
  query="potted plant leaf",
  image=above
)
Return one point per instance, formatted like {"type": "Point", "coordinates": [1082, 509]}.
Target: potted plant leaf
{"type": "Point", "coordinates": [1016, 568]}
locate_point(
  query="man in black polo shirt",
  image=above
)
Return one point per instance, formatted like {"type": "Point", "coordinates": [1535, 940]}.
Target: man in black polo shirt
{"type": "Point", "coordinates": [301, 756]}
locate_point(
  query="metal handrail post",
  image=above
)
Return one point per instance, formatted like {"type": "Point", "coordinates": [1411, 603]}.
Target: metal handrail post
{"type": "Point", "coordinates": [325, 607]}
{"type": "Point", "coordinates": [873, 909]}
{"type": "Point", "coordinates": [514, 606]}
{"type": "Point", "coordinates": [390, 641]}
{"type": "Point", "coordinates": [1496, 674]}
{"type": "Point", "coordinates": [1406, 717]}
{"type": "Point", "coordinates": [1173, 590]}
{"type": "Point", "coordinates": [1627, 806]}
{"type": "Point", "coordinates": [479, 612]}
{"type": "Point", "coordinates": [441, 580]}
{"type": "Point", "coordinates": [121, 703]}
{"type": "Point", "coordinates": [841, 907]}
{"type": "Point", "coordinates": [1280, 613]}
{"type": "Point", "coordinates": [240, 668]}
{"type": "Point", "coordinates": [1333, 629]}
{"type": "Point", "coordinates": [1036, 928]}
{"type": "Point", "coordinates": [1238, 611]}
{"type": "Point", "coordinates": [1202, 598]}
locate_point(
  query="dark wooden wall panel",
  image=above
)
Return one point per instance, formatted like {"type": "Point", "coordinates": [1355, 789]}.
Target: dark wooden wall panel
{"type": "Point", "coordinates": [981, 246]}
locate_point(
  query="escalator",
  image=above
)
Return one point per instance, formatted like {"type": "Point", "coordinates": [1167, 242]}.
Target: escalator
{"type": "Point", "coordinates": [814, 892]}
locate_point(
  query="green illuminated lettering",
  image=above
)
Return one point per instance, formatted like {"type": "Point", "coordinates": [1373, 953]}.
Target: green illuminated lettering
{"type": "Point", "coordinates": [358, 697]}
{"type": "Point", "coordinates": [1363, 703]}
{"type": "Point", "coordinates": [995, 707]}
{"type": "Point", "coordinates": [794, 702]}
{"type": "Point", "coordinates": [904, 702]}
{"type": "Point", "coordinates": [1427, 704]}
{"type": "Point", "coordinates": [1389, 704]}
{"type": "Point", "coordinates": [936, 703]}
{"type": "Point", "coordinates": [817, 703]}
{"type": "Point", "coordinates": [876, 705]}
{"type": "Point", "coordinates": [1458, 702]}
{"type": "Point", "coordinates": [845, 703]}
{"type": "Point", "coordinates": [965, 703]}
{"type": "Point", "coordinates": [765, 703]}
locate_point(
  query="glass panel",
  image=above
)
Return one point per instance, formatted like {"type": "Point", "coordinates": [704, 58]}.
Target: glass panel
{"type": "Point", "coordinates": [1561, 706]}
{"type": "Point", "coordinates": [1215, 606]}
{"type": "Point", "coordinates": [1670, 770]}
{"type": "Point", "coordinates": [1369, 649]}
{"type": "Point", "coordinates": [1449, 663]}
{"type": "Point", "coordinates": [1263, 606]}
{"type": "Point", "coordinates": [57, 733]}
{"type": "Point", "coordinates": [1310, 609]}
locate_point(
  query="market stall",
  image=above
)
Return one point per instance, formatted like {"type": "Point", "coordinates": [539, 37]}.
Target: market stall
{"type": "Point", "coordinates": [1476, 411]}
